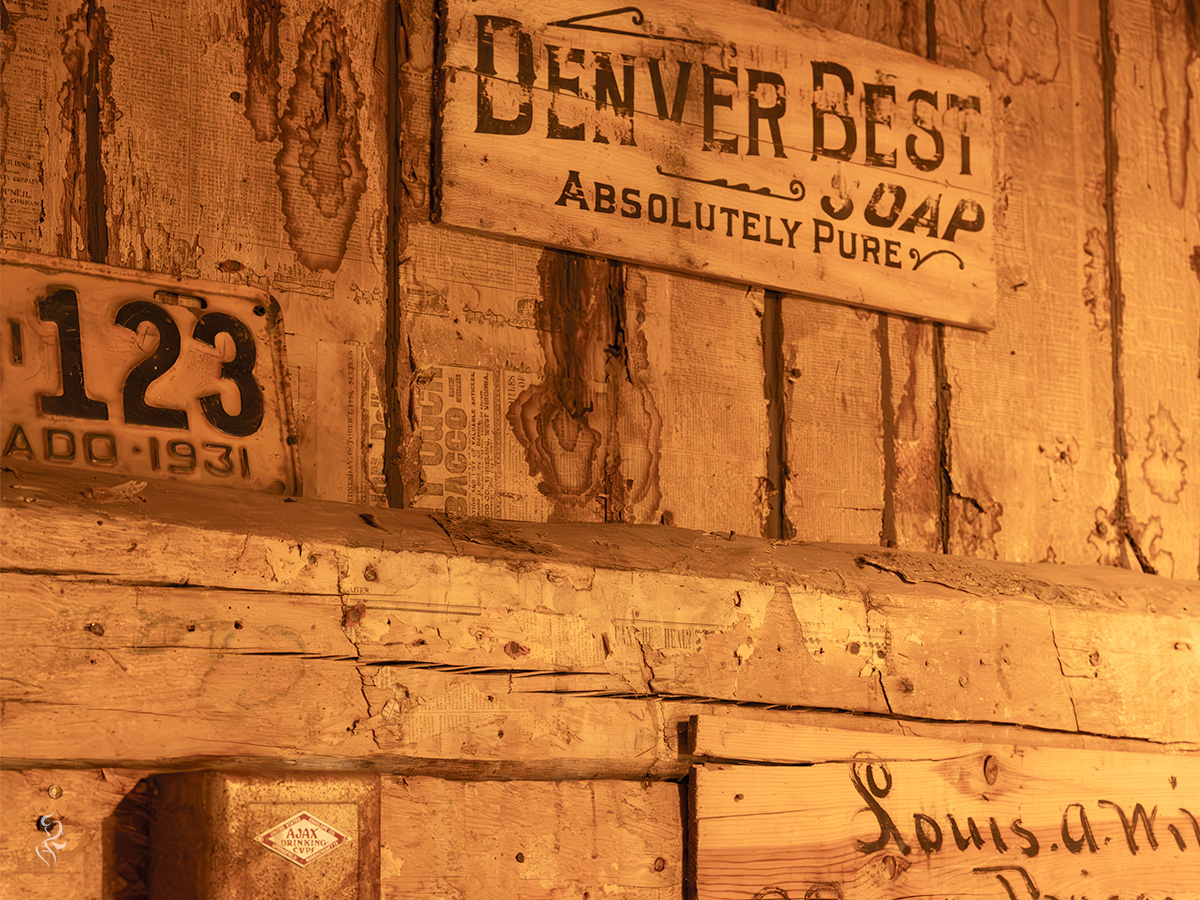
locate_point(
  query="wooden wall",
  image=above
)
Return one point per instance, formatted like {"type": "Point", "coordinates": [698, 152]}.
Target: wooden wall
{"type": "Point", "coordinates": [180, 139]}
{"type": "Point", "coordinates": [286, 145]}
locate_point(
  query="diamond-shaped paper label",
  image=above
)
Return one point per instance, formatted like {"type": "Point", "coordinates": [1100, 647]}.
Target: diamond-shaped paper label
{"type": "Point", "coordinates": [302, 838]}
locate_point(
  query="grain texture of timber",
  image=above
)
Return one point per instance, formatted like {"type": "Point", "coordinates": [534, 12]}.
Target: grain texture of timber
{"type": "Point", "coordinates": [531, 840]}
{"type": "Point", "coordinates": [183, 624]}
{"type": "Point", "coordinates": [874, 816]}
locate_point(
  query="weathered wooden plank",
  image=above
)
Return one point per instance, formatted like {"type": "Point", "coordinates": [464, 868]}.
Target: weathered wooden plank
{"type": "Point", "coordinates": [1015, 820]}
{"type": "Point", "coordinates": [100, 848]}
{"type": "Point", "coordinates": [591, 386]}
{"type": "Point", "coordinates": [1030, 440]}
{"type": "Point", "coordinates": [531, 839]}
{"type": "Point", "coordinates": [861, 437]}
{"type": "Point", "coordinates": [212, 167]}
{"type": "Point", "coordinates": [1071, 650]}
{"type": "Point", "coordinates": [1153, 58]}
{"type": "Point", "coordinates": [722, 740]}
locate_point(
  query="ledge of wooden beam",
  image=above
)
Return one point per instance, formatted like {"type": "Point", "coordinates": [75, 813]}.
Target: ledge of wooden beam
{"type": "Point", "coordinates": [175, 624]}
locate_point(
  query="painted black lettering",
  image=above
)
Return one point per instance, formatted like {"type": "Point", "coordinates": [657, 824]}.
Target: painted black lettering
{"type": "Point", "coordinates": [1072, 843]}
{"type": "Point", "coordinates": [1031, 842]}
{"type": "Point", "coordinates": [771, 114]}
{"type": "Point", "coordinates": [921, 119]}
{"type": "Point", "coordinates": [62, 308]}
{"type": "Point", "coordinates": [631, 207]}
{"type": "Point", "coordinates": [953, 101]}
{"type": "Point", "coordinates": [871, 794]}
{"type": "Point", "coordinates": [842, 249]}
{"type": "Point", "coordinates": [607, 94]}
{"type": "Point", "coordinates": [870, 248]}
{"type": "Point", "coordinates": [929, 832]}
{"type": "Point", "coordinates": [971, 837]}
{"type": "Point", "coordinates": [711, 101]}
{"type": "Point", "coordinates": [996, 837]}
{"type": "Point", "coordinates": [1129, 824]}
{"type": "Point", "coordinates": [837, 212]}
{"type": "Point", "coordinates": [676, 222]}
{"type": "Point", "coordinates": [791, 228]}
{"type": "Point", "coordinates": [818, 239]}
{"type": "Point", "coordinates": [1195, 824]}
{"type": "Point", "coordinates": [239, 370]}
{"type": "Point", "coordinates": [967, 216]}
{"type": "Point", "coordinates": [897, 197]}
{"type": "Point", "coordinates": [557, 85]}
{"type": "Point", "coordinates": [767, 239]}
{"type": "Point", "coordinates": [880, 99]}
{"type": "Point", "coordinates": [660, 94]}
{"type": "Point", "coordinates": [18, 443]}
{"type": "Point", "coordinates": [749, 224]}
{"type": "Point", "coordinates": [153, 367]}
{"type": "Point", "coordinates": [925, 215]}
{"type": "Point", "coordinates": [712, 215]}
{"type": "Point", "coordinates": [1178, 837]}
{"type": "Point", "coordinates": [1031, 888]}
{"type": "Point", "coordinates": [485, 120]}
{"type": "Point", "coordinates": [891, 254]}
{"type": "Point", "coordinates": [573, 191]}
{"type": "Point", "coordinates": [729, 215]}
{"type": "Point", "coordinates": [821, 111]}
{"type": "Point", "coordinates": [659, 215]}
{"type": "Point", "coordinates": [605, 198]}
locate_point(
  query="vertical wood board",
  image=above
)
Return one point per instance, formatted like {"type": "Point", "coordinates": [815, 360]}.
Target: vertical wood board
{"type": "Point", "coordinates": [526, 840]}
{"type": "Point", "coordinates": [578, 389]}
{"type": "Point", "coordinates": [861, 424]}
{"type": "Point", "coordinates": [1031, 437]}
{"type": "Point", "coordinates": [1156, 108]}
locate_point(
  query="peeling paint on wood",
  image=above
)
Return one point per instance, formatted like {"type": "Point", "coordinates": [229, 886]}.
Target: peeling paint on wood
{"type": "Point", "coordinates": [88, 114]}
{"type": "Point", "coordinates": [321, 172]}
{"type": "Point", "coordinates": [263, 59]}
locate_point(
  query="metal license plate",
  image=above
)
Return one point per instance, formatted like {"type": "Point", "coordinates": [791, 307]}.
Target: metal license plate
{"type": "Point", "coordinates": [157, 377]}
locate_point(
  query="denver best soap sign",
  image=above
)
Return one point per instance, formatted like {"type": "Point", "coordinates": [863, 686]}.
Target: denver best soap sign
{"type": "Point", "coordinates": [721, 140]}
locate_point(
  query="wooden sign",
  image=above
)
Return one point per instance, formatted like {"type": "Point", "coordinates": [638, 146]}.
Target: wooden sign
{"type": "Point", "coordinates": [727, 142]}
{"type": "Point", "coordinates": [1002, 823]}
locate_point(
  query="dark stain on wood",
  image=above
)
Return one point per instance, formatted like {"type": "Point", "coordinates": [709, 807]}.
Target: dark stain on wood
{"type": "Point", "coordinates": [126, 842]}
{"type": "Point", "coordinates": [776, 524]}
{"type": "Point", "coordinates": [1095, 283]}
{"type": "Point", "coordinates": [88, 114]}
{"type": "Point", "coordinates": [627, 377]}
{"type": "Point", "coordinates": [975, 524]}
{"type": "Point", "coordinates": [1164, 469]}
{"type": "Point", "coordinates": [263, 59]}
{"type": "Point", "coordinates": [553, 420]}
{"type": "Point", "coordinates": [1176, 48]}
{"type": "Point", "coordinates": [320, 167]}
{"type": "Point", "coordinates": [569, 429]}
{"type": "Point", "coordinates": [887, 535]}
{"type": "Point", "coordinates": [1021, 40]}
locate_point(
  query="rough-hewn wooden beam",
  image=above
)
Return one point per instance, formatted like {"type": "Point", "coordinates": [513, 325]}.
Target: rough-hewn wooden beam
{"type": "Point", "coordinates": [183, 624]}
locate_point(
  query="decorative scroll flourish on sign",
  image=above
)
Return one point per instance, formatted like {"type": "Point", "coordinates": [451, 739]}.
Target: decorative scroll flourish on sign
{"type": "Point", "coordinates": [622, 132]}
